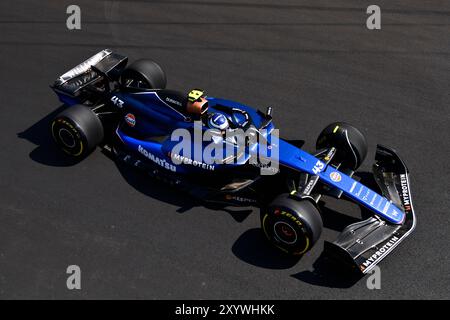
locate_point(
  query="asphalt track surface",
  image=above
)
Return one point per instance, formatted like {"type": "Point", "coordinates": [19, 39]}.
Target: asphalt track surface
{"type": "Point", "coordinates": [313, 61]}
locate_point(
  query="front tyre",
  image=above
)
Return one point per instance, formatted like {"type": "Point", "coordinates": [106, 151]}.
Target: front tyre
{"type": "Point", "coordinates": [291, 225]}
{"type": "Point", "coordinates": [350, 143]}
{"type": "Point", "coordinates": [77, 131]}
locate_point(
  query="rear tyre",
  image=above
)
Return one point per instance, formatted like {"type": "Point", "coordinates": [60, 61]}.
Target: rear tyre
{"type": "Point", "coordinates": [350, 144]}
{"type": "Point", "coordinates": [77, 130]}
{"type": "Point", "coordinates": [293, 226]}
{"type": "Point", "coordinates": [145, 74]}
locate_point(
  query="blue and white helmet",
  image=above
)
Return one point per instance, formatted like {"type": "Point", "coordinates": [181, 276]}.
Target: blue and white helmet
{"type": "Point", "coordinates": [218, 121]}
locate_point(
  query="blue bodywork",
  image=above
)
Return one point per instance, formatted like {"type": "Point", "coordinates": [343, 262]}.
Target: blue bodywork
{"type": "Point", "coordinates": [156, 117]}
{"type": "Point", "coordinates": [297, 159]}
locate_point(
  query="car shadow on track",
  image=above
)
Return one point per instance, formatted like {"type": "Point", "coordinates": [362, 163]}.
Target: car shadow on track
{"type": "Point", "coordinates": [325, 274]}
{"type": "Point", "coordinates": [147, 185]}
{"type": "Point", "coordinates": [252, 248]}
{"type": "Point", "coordinates": [46, 151]}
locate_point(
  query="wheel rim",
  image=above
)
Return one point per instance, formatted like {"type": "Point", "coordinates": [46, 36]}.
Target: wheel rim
{"type": "Point", "coordinates": [66, 138]}
{"type": "Point", "coordinates": [284, 232]}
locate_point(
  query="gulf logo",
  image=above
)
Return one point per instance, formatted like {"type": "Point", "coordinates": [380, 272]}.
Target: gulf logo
{"type": "Point", "coordinates": [335, 176]}
{"type": "Point", "coordinates": [130, 119]}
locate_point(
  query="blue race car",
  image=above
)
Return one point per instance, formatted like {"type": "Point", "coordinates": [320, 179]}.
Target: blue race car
{"type": "Point", "coordinates": [127, 110]}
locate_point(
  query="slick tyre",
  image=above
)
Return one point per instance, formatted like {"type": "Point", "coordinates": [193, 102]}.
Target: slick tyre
{"type": "Point", "coordinates": [291, 225]}
{"type": "Point", "coordinates": [77, 131]}
{"type": "Point", "coordinates": [350, 144]}
{"type": "Point", "coordinates": [146, 74]}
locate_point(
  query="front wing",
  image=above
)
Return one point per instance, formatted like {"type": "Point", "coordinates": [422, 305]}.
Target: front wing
{"type": "Point", "coordinates": [364, 244]}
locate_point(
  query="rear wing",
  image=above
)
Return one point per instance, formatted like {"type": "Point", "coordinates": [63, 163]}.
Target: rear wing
{"type": "Point", "coordinates": [94, 73]}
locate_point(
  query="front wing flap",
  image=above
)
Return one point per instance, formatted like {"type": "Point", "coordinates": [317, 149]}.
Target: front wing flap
{"type": "Point", "coordinates": [362, 245]}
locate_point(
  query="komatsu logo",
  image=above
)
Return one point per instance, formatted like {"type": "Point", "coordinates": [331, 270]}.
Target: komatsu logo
{"type": "Point", "coordinates": [405, 192]}
{"type": "Point", "coordinates": [163, 163]}
{"type": "Point", "coordinates": [380, 252]}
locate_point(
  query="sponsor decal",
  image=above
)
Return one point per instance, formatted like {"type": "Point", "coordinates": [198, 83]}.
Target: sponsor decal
{"type": "Point", "coordinates": [184, 160]}
{"type": "Point", "coordinates": [379, 252]}
{"type": "Point", "coordinates": [288, 215]}
{"type": "Point", "coordinates": [178, 103]}
{"type": "Point", "coordinates": [361, 188]}
{"type": "Point", "coordinates": [365, 197]}
{"type": "Point", "coordinates": [405, 192]}
{"type": "Point", "coordinates": [130, 119]}
{"type": "Point", "coordinates": [68, 124]}
{"type": "Point", "coordinates": [309, 186]}
{"type": "Point", "coordinates": [379, 202]}
{"type": "Point", "coordinates": [330, 154]}
{"type": "Point", "coordinates": [335, 176]}
{"type": "Point", "coordinates": [161, 162]}
{"type": "Point", "coordinates": [239, 199]}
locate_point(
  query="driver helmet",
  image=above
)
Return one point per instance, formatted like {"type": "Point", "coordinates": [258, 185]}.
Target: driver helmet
{"type": "Point", "coordinates": [197, 102]}
{"type": "Point", "coordinates": [218, 121]}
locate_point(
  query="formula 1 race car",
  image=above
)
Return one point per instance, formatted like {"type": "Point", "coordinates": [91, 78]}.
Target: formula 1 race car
{"type": "Point", "coordinates": [126, 110]}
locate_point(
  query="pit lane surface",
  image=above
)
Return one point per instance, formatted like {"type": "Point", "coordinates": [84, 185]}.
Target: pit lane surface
{"type": "Point", "coordinates": [313, 61]}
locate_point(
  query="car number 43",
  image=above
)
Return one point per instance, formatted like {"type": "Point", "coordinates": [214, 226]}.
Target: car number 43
{"type": "Point", "coordinates": [318, 167]}
{"type": "Point", "coordinates": [117, 102]}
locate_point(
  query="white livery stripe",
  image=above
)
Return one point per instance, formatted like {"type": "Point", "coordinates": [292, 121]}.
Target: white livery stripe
{"type": "Point", "coordinates": [353, 187]}
{"type": "Point", "coordinates": [386, 207]}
